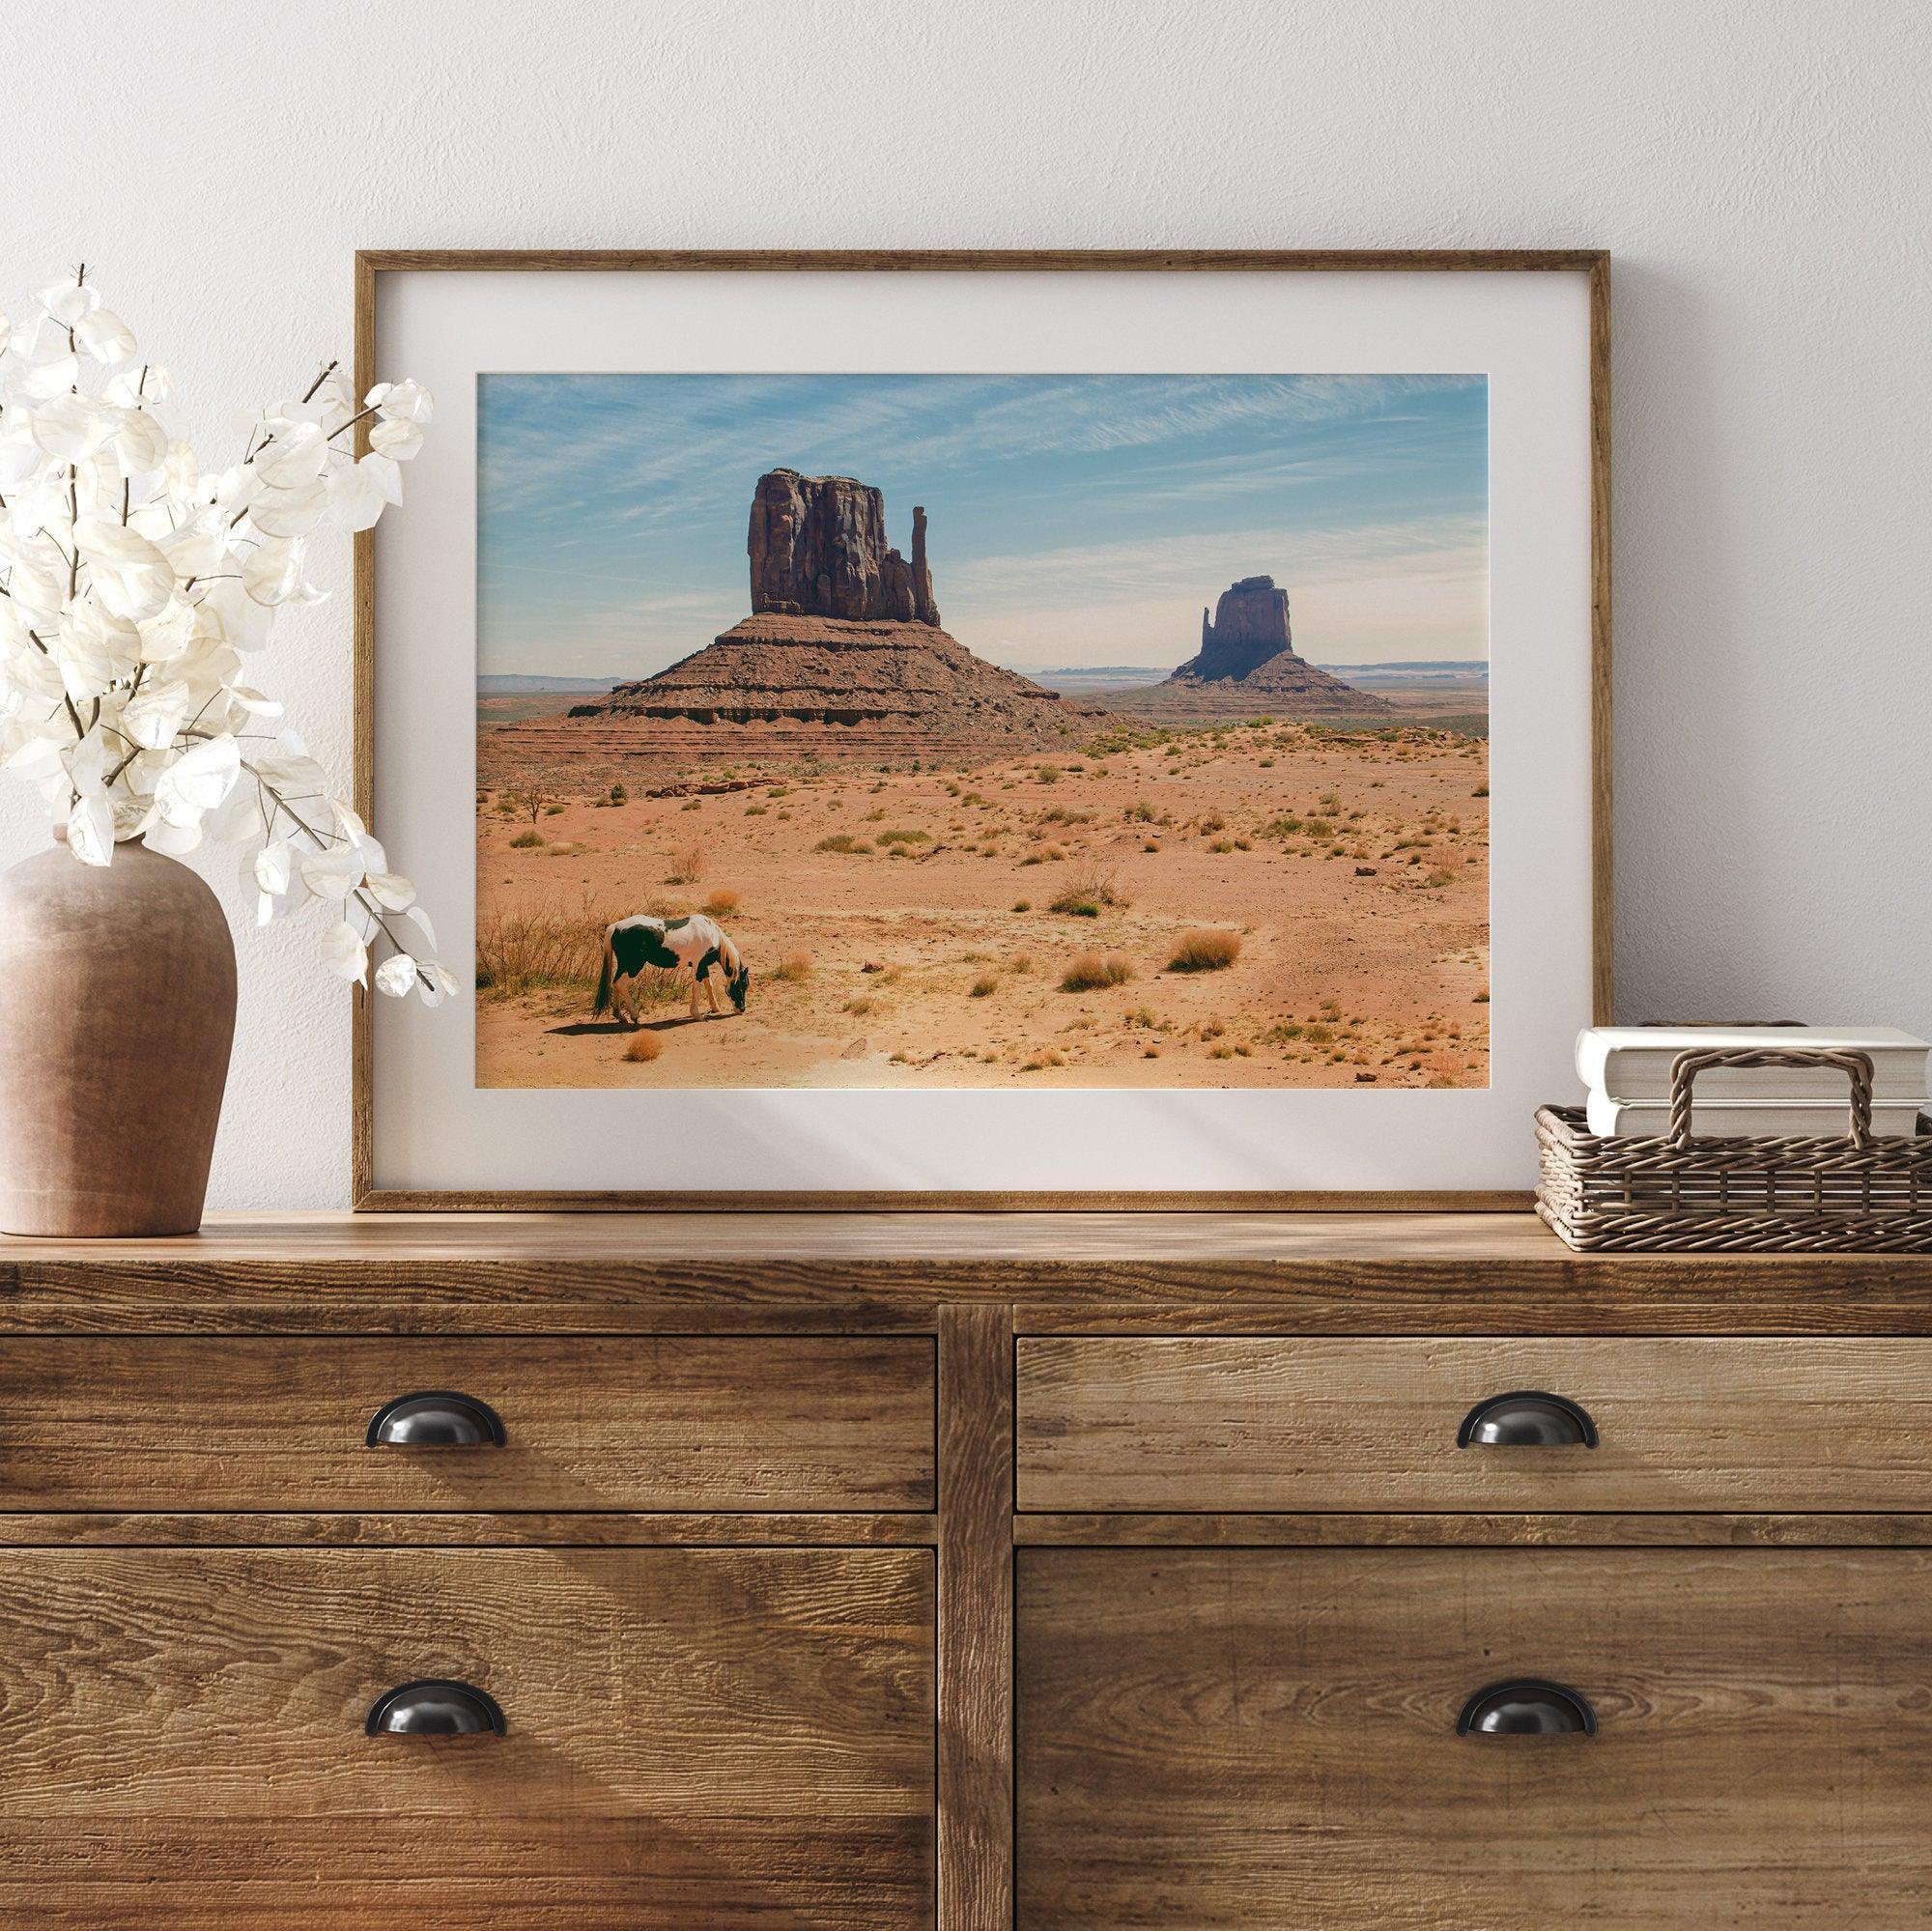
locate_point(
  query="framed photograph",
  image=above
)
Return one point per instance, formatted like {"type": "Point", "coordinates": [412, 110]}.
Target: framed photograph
{"type": "Point", "coordinates": [989, 730]}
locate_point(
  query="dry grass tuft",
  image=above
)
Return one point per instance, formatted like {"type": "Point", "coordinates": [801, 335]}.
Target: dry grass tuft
{"type": "Point", "coordinates": [687, 867]}
{"type": "Point", "coordinates": [723, 902]}
{"type": "Point", "coordinates": [984, 985]}
{"type": "Point", "coordinates": [1089, 971]}
{"type": "Point", "coordinates": [1204, 950]}
{"type": "Point", "coordinates": [556, 947]}
{"type": "Point", "coordinates": [643, 1049]}
{"type": "Point", "coordinates": [1085, 897]}
{"type": "Point", "coordinates": [794, 969]}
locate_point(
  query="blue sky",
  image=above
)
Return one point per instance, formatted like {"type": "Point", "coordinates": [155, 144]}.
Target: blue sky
{"type": "Point", "coordinates": [1074, 520]}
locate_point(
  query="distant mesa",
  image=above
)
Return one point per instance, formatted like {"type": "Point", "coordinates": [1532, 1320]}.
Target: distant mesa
{"type": "Point", "coordinates": [1249, 629]}
{"type": "Point", "coordinates": [841, 657]}
{"type": "Point", "coordinates": [1247, 663]}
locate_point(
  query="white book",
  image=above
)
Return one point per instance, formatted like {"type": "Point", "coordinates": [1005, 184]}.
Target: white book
{"type": "Point", "coordinates": [1782, 1119]}
{"type": "Point", "coordinates": [1633, 1062]}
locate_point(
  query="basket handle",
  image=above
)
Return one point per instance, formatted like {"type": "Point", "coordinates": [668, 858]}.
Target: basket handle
{"type": "Point", "coordinates": [1685, 1066]}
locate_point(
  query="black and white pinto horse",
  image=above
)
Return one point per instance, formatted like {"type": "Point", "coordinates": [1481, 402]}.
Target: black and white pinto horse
{"type": "Point", "coordinates": [670, 945]}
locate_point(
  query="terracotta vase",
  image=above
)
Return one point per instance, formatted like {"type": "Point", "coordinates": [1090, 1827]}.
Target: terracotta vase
{"type": "Point", "coordinates": [117, 1011]}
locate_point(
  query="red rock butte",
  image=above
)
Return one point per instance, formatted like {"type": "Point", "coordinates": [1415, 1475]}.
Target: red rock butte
{"type": "Point", "coordinates": [1247, 664]}
{"type": "Point", "coordinates": [841, 658]}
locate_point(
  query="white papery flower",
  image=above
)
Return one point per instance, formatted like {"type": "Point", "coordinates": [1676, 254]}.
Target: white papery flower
{"type": "Point", "coordinates": [135, 578]}
{"type": "Point", "coordinates": [343, 951]}
{"type": "Point", "coordinates": [397, 976]}
{"type": "Point", "coordinates": [131, 578]}
{"type": "Point", "coordinates": [105, 337]}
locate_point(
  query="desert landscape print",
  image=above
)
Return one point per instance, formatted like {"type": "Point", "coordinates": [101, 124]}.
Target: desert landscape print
{"type": "Point", "coordinates": [996, 731]}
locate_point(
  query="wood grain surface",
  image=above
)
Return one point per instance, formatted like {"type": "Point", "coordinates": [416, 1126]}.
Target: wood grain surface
{"type": "Point", "coordinates": [695, 1738]}
{"type": "Point", "coordinates": [976, 1619]}
{"type": "Point", "coordinates": [791, 1422]}
{"type": "Point", "coordinates": [1225, 1424]}
{"type": "Point", "coordinates": [1389, 1530]}
{"type": "Point", "coordinates": [1338, 1274]}
{"type": "Point", "coordinates": [1267, 1740]}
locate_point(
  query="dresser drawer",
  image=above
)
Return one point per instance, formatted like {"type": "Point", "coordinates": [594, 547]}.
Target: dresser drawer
{"type": "Point", "coordinates": [1268, 1739]}
{"type": "Point", "coordinates": [676, 1422]}
{"type": "Point", "coordinates": [1286, 1424]}
{"type": "Point", "coordinates": [717, 1738]}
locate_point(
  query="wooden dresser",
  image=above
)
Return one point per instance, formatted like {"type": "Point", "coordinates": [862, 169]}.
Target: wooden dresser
{"type": "Point", "coordinates": [1083, 1572]}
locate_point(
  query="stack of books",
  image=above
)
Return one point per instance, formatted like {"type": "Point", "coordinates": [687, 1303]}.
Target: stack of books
{"type": "Point", "coordinates": [1627, 1069]}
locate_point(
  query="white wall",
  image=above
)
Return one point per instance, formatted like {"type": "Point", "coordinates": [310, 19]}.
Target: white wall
{"type": "Point", "coordinates": [1760, 170]}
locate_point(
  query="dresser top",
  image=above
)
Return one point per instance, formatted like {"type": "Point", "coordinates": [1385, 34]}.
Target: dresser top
{"type": "Point", "coordinates": [1054, 1238]}
{"type": "Point", "coordinates": [1325, 1273]}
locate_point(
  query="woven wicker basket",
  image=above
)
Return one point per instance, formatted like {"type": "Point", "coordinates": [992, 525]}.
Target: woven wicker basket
{"type": "Point", "coordinates": [1842, 1194]}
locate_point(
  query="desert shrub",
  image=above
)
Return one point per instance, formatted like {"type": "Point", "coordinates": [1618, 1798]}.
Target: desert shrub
{"type": "Point", "coordinates": [527, 841]}
{"type": "Point", "coordinates": [687, 867]}
{"type": "Point", "coordinates": [643, 1049]}
{"type": "Point", "coordinates": [794, 969]}
{"type": "Point", "coordinates": [527, 801]}
{"type": "Point", "coordinates": [1022, 904]}
{"type": "Point", "coordinates": [555, 945]}
{"type": "Point", "coordinates": [1438, 878]}
{"type": "Point", "coordinates": [1084, 898]}
{"type": "Point", "coordinates": [987, 982]}
{"type": "Point", "coordinates": [1204, 950]}
{"type": "Point", "coordinates": [723, 902]}
{"type": "Point", "coordinates": [1140, 813]}
{"type": "Point", "coordinates": [841, 842]}
{"type": "Point", "coordinates": [1211, 823]}
{"type": "Point", "coordinates": [1089, 971]}
{"type": "Point", "coordinates": [618, 795]}
{"type": "Point", "coordinates": [1284, 827]}
{"type": "Point", "coordinates": [1046, 774]}
{"type": "Point", "coordinates": [691, 805]}
{"type": "Point", "coordinates": [912, 835]}
{"type": "Point", "coordinates": [861, 1006]}
{"type": "Point", "coordinates": [1222, 846]}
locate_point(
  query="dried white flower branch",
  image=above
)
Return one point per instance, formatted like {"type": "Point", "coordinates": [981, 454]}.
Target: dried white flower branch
{"type": "Point", "coordinates": [132, 581]}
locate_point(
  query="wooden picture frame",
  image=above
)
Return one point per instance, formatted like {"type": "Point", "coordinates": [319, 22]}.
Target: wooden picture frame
{"type": "Point", "coordinates": [1593, 265]}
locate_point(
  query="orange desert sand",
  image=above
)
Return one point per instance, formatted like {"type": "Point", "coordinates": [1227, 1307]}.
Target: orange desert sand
{"type": "Point", "coordinates": [1012, 923]}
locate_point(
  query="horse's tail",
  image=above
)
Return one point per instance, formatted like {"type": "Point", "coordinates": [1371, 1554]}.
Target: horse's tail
{"type": "Point", "coordinates": [737, 978]}
{"type": "Point", "coordinates": [603, 999]}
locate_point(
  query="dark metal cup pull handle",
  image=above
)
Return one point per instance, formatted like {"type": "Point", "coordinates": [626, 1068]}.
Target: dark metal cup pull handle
{"type": "Point", "coordinates": [435, 1418]}
{"type": "Point", "coordinates": [434, 1706]}
{"type": "Point", "coordinates": [1526, 1418]}
{"type": "Point", "coordinates": [1527, 1707]}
